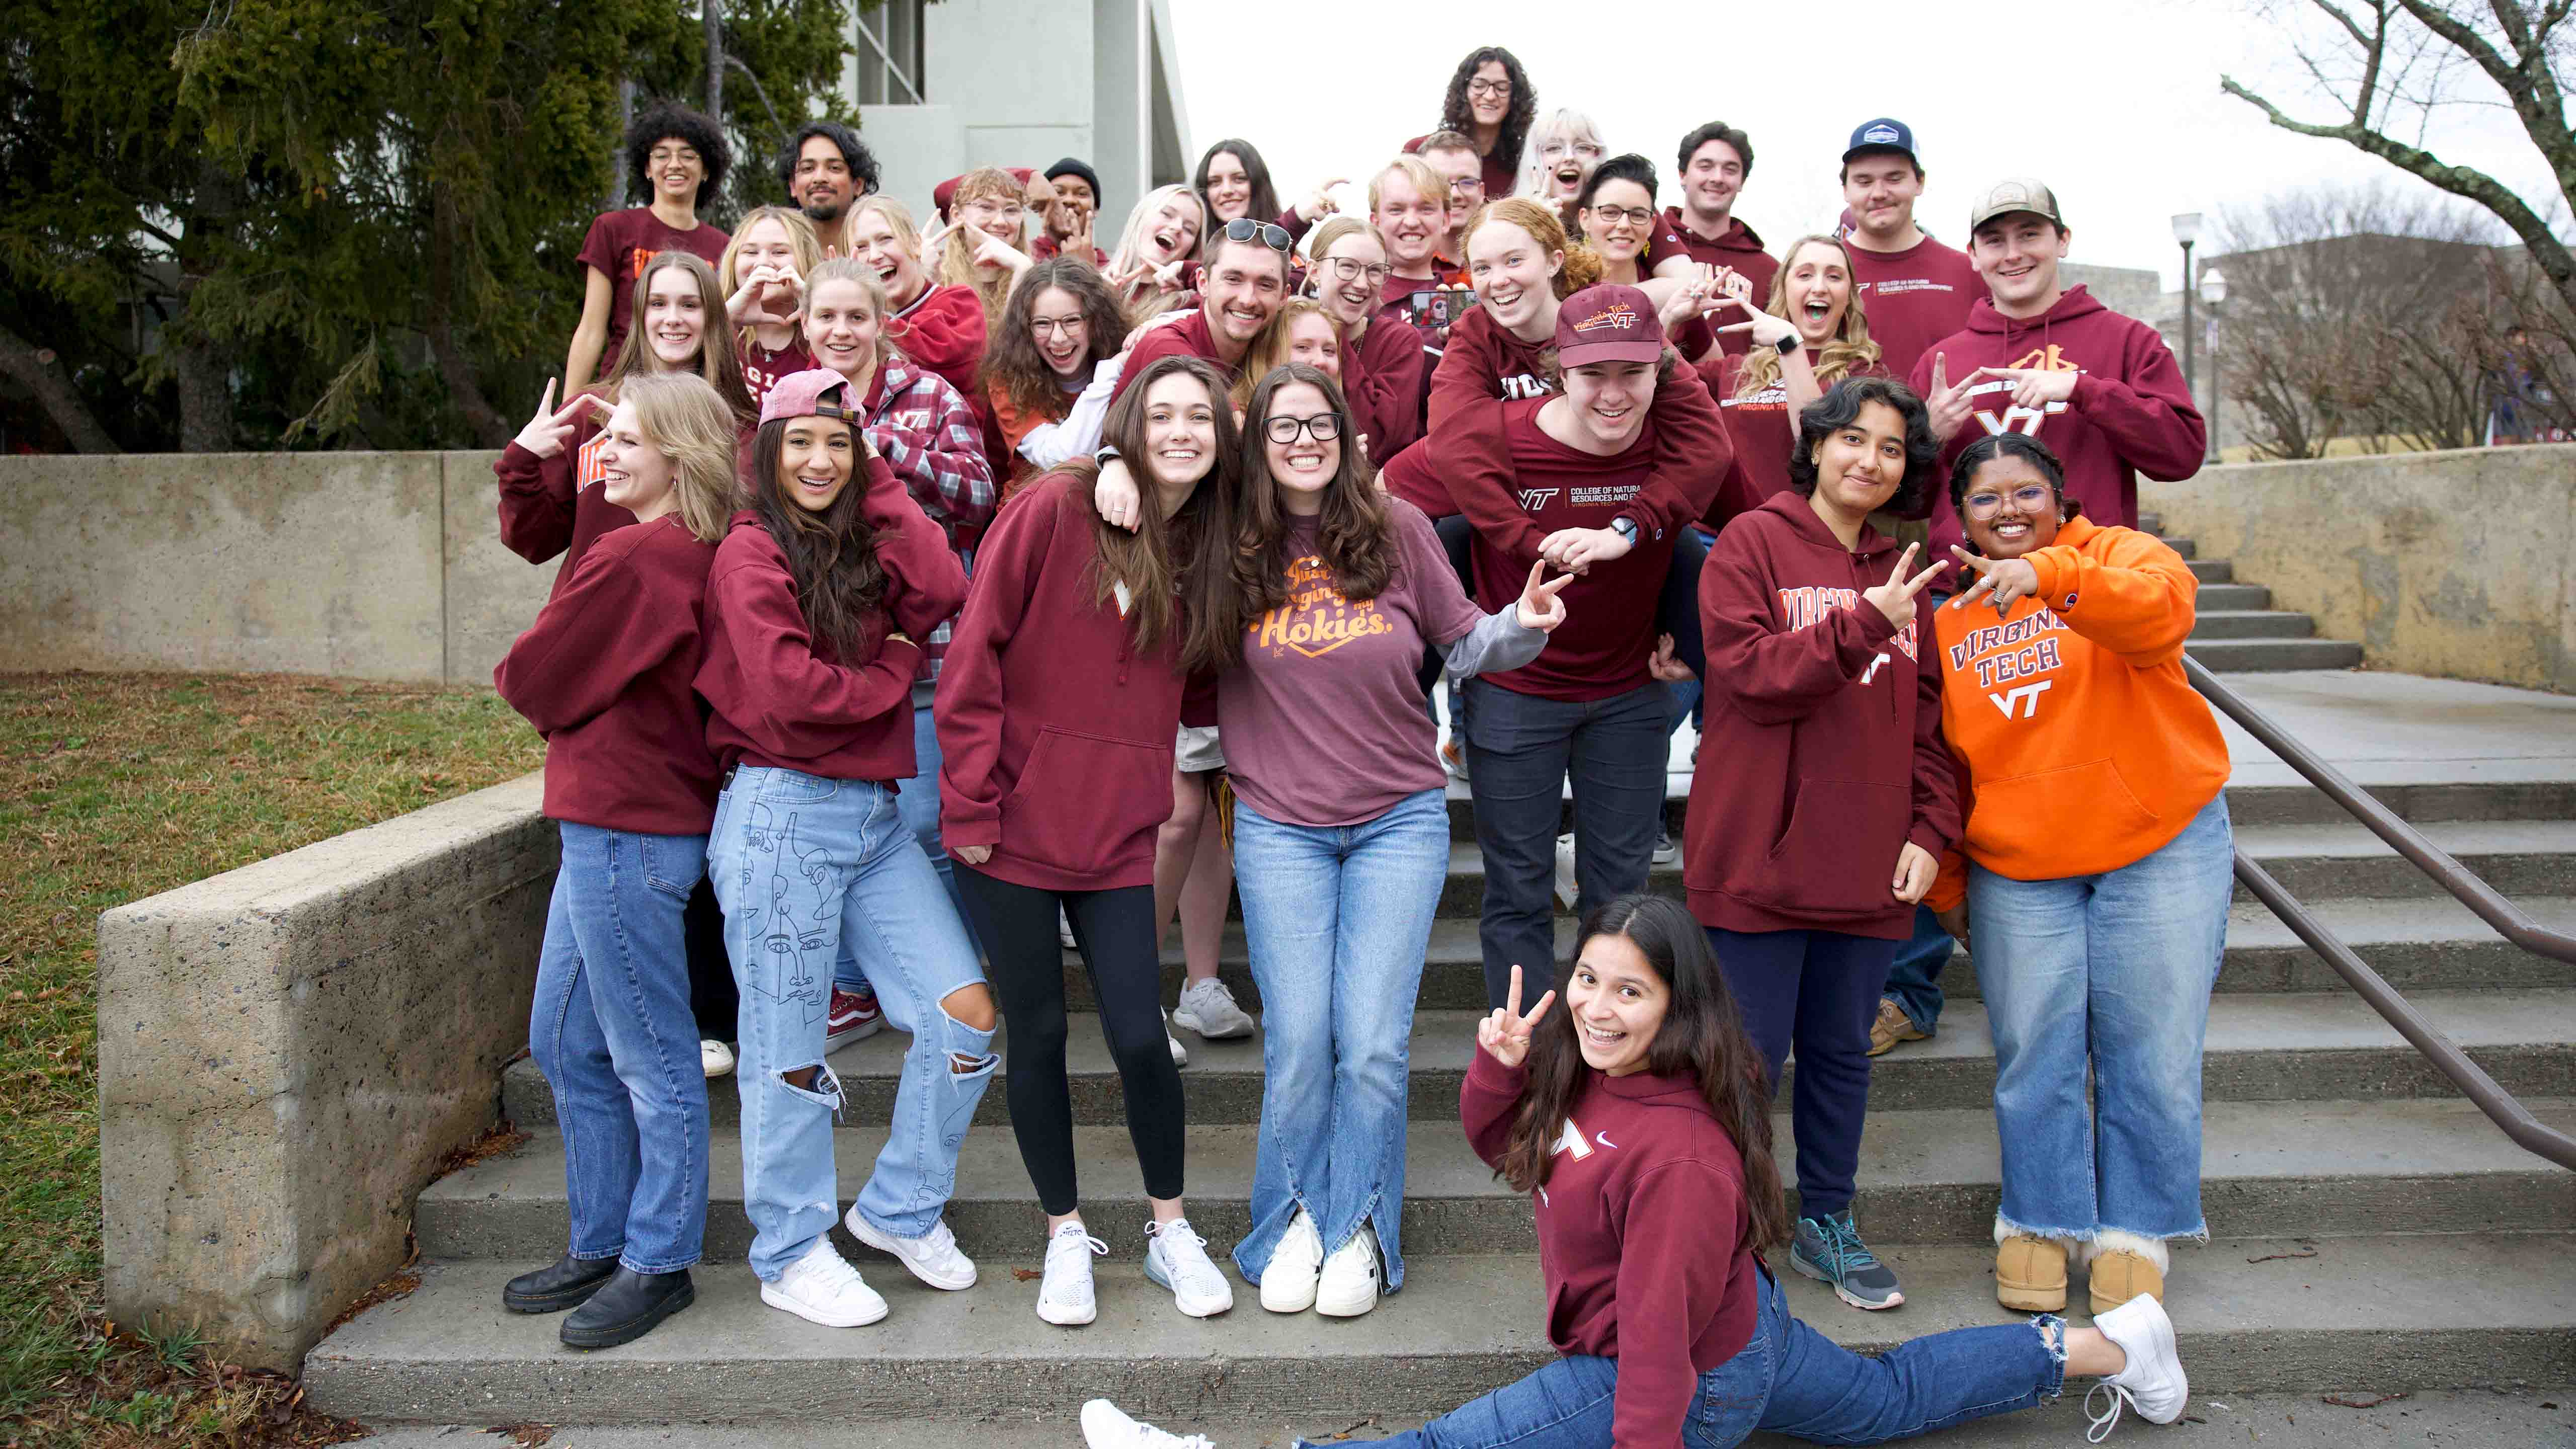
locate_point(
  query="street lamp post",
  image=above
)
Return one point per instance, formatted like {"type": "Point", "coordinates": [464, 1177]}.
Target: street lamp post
{"type": "Point", "coordinates": [2213, 291]}
{"type": "Point", "coordinates": [2186, 229]}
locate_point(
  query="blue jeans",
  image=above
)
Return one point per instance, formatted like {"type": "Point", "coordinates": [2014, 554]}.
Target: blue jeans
{"type": "Point", "coordinates": [1788, 1379]}
{"type": "Point", "coordinates": [1914, 982]}
{"type": "Point", "coordinates": [1338, 919]}
{"type": "Point", "coordinates": [1520, 749]}
{"type": "Point", "coordinates": [2114, 969]}
{"type": "Point", "coordinates": [804, 866]}
{"type": "Point", "coordinates": [612, 1031]}
{"type": "Point", "coordinates": [1816, 991]}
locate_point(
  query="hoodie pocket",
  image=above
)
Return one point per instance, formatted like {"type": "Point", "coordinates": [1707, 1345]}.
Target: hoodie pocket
{"type": "Point", "coordinates": [1839, 851]}
{"type": "Point", "coordinates": [1079, 798]}
{"type": "Point", "coordinates": [2076, 820]}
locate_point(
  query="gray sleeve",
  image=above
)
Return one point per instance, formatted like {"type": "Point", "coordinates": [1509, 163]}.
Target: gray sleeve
{"type": "Point", "coordinates": [1497, 643]}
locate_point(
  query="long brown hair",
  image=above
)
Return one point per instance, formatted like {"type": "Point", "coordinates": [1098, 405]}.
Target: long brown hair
{"type": "Point", "coordinates": [1850, 348]}
{"type": "Point", "coordinates": [717, 362]}
{"type": "Point", "coordinates": [1701, 1039]}
{"type": "Point", "coordinates": [832, 555]}
{"type": "Point", "coordinates": [1355, 533]}
{"type": "Point", "coordinates": [1014, 369]}
{"type": "Point", "coordinates": [1173, 568]}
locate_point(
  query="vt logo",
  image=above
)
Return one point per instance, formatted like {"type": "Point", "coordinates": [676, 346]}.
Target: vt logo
{"type": "Point", "coordinates": [1534, 499]}
{"type": "Point", "coordinates": [2025, 696]}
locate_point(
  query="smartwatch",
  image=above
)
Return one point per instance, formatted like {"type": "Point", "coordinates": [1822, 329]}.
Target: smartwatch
{"type": "Point", "coordinates": [1790, 343]}
{"type": "Point", "coordinates": [1104, 455]}
{"type": "Point", "coordinates": [1626, 528]}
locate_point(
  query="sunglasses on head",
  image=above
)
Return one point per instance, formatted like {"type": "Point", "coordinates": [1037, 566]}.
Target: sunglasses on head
{"type": "Point", "coordinates": [1269, 234]}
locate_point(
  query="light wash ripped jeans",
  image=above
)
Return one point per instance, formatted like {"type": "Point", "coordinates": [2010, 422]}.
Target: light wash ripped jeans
{"type": "Point", "coordinates": [803, 865]}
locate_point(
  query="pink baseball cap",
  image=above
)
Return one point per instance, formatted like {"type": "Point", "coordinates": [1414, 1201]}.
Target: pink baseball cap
{"type": "Point", "coordinates": [817, 392]}
{"type": "Point", "coordinates": [1607, 323]}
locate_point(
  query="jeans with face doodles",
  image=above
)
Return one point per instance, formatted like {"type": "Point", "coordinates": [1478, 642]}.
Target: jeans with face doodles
{"type": "Point", "coordinates": [806, 866]}
{"type": "Point", "coordinates": [612, 1031]}
{"type": "Point", "coordinates": [1337, 919]}
{"type": "Point", "coordinates": [1788, 1379]}
{"type": "Point", "coordinates": [2112, 971]}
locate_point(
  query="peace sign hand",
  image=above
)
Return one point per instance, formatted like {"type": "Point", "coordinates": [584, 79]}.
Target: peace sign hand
{"type": "Point", "coordinates": [1947, 406]}
{"type": "Point", "coordinates": [552, 426]}
{"type": "Point", "coordinates": [1539, 607]}
{"type": "Point", "coordinates": [2005, 581]}
{"type": "Point", "coordinates": [1895, 598]}
{"type": "Point", "coordinates": [1767, 330]}
{"type": "Point", "coordinates": [1505, 1035]}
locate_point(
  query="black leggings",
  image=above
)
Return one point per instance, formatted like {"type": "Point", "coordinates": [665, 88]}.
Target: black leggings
{"type": "Point", "coordinates": [1025, 963]}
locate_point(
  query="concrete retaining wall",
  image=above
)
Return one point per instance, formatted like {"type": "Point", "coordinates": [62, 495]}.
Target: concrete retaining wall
{"type": "Point", "coordinates": [287, 1051]}
{"type": "Point", "coordinates": [363, 565]}
{"type": "Point", "coordinates": [2456, 564]}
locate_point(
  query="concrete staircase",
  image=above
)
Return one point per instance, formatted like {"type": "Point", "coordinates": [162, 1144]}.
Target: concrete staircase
{"type": "Point", "coordinates": [2239, 632]}
{"type": "Point", "coordinates": [2372, 1230]}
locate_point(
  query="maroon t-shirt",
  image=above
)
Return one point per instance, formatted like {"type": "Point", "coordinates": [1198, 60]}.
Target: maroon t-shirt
{"type": "Point", "coordinates": [1912, 298]}
{"type": "Point", "coordinates": [1760, 427]}
{"type": "Point", "coordinates": [762, 368]}
{"type": "Point", "coordinates": [621, 242]}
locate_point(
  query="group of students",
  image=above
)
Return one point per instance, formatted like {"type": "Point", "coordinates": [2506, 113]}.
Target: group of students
{"type": "Point", "coordinates": [932, 603]}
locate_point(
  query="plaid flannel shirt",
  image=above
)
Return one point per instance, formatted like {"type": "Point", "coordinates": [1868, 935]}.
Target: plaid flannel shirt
{"type": "Point", "coordinates": [935, 444]}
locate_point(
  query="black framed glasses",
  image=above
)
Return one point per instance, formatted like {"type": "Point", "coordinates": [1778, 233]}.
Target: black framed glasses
{"type": "Point", "coordinates": [1640, 216]}
{"type": "Point", "coordinates": [1268, 233]}
{"type": "Point", "coordinates": [1284, 429]}
{"type": "Point", "coordinates": [1489, 88]}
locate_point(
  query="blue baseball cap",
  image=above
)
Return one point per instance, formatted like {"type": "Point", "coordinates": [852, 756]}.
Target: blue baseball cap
{"type": "Point", "coordinates": [1884, 134]}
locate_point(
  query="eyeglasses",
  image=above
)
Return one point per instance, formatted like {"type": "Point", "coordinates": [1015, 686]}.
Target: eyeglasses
{"type": "Point", "coordinates": [2027, 499]}
{"type": "Point", "coordinates": [1633, 215]}
{"type": "Point", "coordinates": [991, 211]}
{"type": "Point", "coordinates": [1056, 326]}
{"type": "Point", "coordinates": [1324, 426]}
{"type": "Point", "coordinates": [1351, 271]}
{"type": "Point", "coordinates": [1269, 234]}
{"type": "Point", "coordinates": [1489, 88]}
{"type": "Point", "coordinates": [1475, 183]}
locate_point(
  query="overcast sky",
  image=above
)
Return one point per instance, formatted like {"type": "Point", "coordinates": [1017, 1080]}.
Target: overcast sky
{"type": "Point", "coordinates": [2114, 103]}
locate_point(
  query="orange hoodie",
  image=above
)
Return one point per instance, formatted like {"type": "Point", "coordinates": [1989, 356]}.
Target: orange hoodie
{"type": "Point", "coordinates": [2084, 746]}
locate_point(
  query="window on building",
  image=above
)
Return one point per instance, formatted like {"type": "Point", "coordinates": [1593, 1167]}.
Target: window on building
{"type": "Point", "coordinates": [887, 68]}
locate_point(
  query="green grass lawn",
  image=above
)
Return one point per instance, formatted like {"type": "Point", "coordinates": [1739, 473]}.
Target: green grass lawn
{"type": "Point", "coordinates": [114, 787]}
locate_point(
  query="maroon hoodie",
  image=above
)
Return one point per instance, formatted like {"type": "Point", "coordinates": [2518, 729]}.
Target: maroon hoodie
{"type": "Point", "coordinates": [1385, 379]}
{"type": "Point", "coordinates": [1055, 735]}
{"type": "Point", "coordinates": [1641, 1227]}
{"type": "Point", "coordinates": [2131, 412]}
{"type": "Point", "coordinates": [1828, 719]}
{"type": "Point", "coordinates": [604, 674]}
{"type": "Point", "coordinates": [1188, 337]}
{"type": "Point", "coordinates": [1736, 247]}
{"type": "Point", "coordinates": [782, 699]}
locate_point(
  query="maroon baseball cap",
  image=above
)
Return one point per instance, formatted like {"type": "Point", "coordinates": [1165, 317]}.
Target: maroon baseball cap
{"type": "Point", "coordinates": [1607, 323]}
{"type": "Point", "coordinates": [817, 392]}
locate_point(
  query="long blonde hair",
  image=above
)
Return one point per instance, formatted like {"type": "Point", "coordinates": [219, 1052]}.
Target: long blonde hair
{"type": "Point", "coordinates": [682, 415]}
{"type": "Point", "coordinates": [801, 240]}
{"type": "Point", "coordinates": [1142, 302]}
{"type": "Point", "coordinates": [1850, 348]}
{"type": "Point", "coordinates": [957, 254]}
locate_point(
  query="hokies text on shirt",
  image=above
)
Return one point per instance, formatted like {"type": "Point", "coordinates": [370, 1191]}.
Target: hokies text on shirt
{"type": "Point", "coordinates": [1522, 385]}
{"type": "Point", "coordinates": [1809, 603]}
{"type": "Point", "coordinates": [1316, 614]}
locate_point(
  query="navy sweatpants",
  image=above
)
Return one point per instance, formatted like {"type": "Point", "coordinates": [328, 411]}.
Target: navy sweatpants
{"type": "Point", "coordinates": [1816, 991]}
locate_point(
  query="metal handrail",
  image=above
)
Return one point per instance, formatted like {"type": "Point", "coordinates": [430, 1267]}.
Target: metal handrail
{"type": "Point", "coordinates": [2509, 920]}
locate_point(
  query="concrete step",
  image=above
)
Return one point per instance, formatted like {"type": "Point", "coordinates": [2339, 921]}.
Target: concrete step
{"type": "Point", "coordinates": [2430, 943]}
{"type": "Point", "coordinates": [2336, 1169]}
{"type": "Point", "coordinates": [2183, 546]}
{"type": "Point", "coordinates": [2274, 656]}
{"type": "Point", "coordinates": [2251, 624]}
{"type": "Point", "coordinates": [2213, 570]}
{"type": "Point", "coordinates": [2233, 596]}
{"type": "Point", "coordinates": [2308, 1047]}
{"type": "Point", "coordinates": [2390, 1314]}
{"type": "Point", "coordinates": [2151, 523]}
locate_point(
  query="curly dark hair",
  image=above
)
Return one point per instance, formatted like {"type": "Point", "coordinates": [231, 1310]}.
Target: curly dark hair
{"type": "Point", "coordinates": [1457, 115]}
{"type": "Point", "coordinates": [854, 153]}
{"type": "Point", "coordinates": [1840, 408]}
{"type": "Point", "coordinates": [1016, 371]}
{"type": "Point", "coordinates": [663, 119]}
{"type": "Point", "coordinates": [1356, 534]}
{"type": "Point", "coordinates": [831, 555]}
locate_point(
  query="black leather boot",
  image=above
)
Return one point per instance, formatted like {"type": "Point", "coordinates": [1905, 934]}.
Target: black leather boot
{"type": "Point", "coordinates": [554, 1289]}
{"type": "Point", "coordinates": [628, 1307]}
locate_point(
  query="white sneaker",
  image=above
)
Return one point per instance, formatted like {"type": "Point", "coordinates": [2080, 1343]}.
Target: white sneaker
{"type": "Point", "coordinates": [2153, 1383]}
{"type": "Point", "coordinates": [1668, 851]}
{"type": "Point", "coordinates": [716, 1057]}
{"type": "Point", "coordinates": [1180, 1053]}
{"type": "Point", "coordinates": [1453, 760]}
{"type": "Point", "coordinates": [1104, 1427]}
{"type": "Point", "coordinates": [934, 1257]}
{"type": "Point", "coordinates": [1177, 1258]}
{"type": "Point", "coordinates": [1352, 1277]}
{"type": "Point", "coordinates": [1566, 889]}
{"type": "Point", "coordinates": [1288, 1280]}
{"type": "Point", "coordinates": [1064, 1294]}
{"type": "Point", "coordinates": [820, 1288]}
{"type": "Point", "coordinates": [1208, 1008]}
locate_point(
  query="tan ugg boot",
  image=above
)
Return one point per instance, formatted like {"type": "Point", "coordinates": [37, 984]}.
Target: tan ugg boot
{"type": "Point", "coordinates": [2030, 1273]}
{"type": "Point", "coordinates": [2125, 1265]}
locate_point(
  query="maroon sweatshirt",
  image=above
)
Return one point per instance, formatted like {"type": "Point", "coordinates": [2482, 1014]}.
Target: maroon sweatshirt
{"type": "Point", "coordinates": [604, 674]}
{"type": "Point", "coordinates": [1055, 735]}
{"type": "Point", "coordinates": [1913, 298]}
{"type": "Point", "coordinates": [2131, 412]}
{"type": "Point", "coordinates": [1185, 338]}
{"type": "Point", "coordinates": [1760, 427]}
{"type": "Point", "coordinates": [1641, 1227]}
{"type": "Point", "coordinates": [1485, 362]}
{"type": "Point", "coordinates": [545, 513]}
{"type": "Point", "coordinates": [783, 699]}
{"type": "Point", "coordinates": [1386, 379]}
{"type": "Point", "coordinates": [1829, 721]}
{"type": "Point", "coordinates": [1738, 247]}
